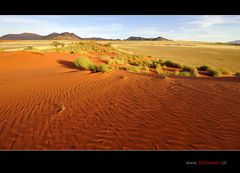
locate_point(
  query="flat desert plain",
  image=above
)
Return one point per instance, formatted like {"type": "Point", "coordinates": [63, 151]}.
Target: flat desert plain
{"type": "Point", "coordinates": [48, 104]}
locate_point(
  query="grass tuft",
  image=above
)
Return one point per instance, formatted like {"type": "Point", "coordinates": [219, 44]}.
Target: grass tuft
{"type": "Point", "coordinates": [83, 63]}
{"type": "Point", "coordinates": [104, 68]}
{"type": "Point", "coordinates": [173, 64]}
{"type": "Point", "coordinates": [203, 68]}
{"type": "Point", "coordinates": [237, 74]}
{"type": "Point", "coordinates": [192, 70]}
{"type": "Point", "coordinates": [213, 72]}
{"type": "Point", "coordinates": [136, 69]}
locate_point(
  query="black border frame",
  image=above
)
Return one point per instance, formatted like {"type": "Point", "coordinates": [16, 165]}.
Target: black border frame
{"type": "Point", "coordinates": [158, 160]}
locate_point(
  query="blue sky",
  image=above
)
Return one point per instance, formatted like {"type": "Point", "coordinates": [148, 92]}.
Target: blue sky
{"type": "Point", "coordinates": [176, 27]}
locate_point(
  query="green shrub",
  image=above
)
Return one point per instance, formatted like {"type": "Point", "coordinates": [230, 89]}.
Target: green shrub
{"type": "Point", "coordinates": [145, 68]}
{"type": "Point", "coordinates": [176, 73]}
{"type": "Point", "coordinates": [134, 69]}
{"type": "Point", "coordinates": [159, 69]}
{"type": "Point", "coordinates": [104, 68]}
{"type": "Point", "coordinates": [110, 61]}
{"type": "Point", "coordinates": [237, 74]}
{"type": "Point", "coordinates": [83, 63]}
{"type": "Point", "coordinates": [192, 70]}
{"type": "Point", "coordinates": [147, 63]}
{"type": "Point", "coordinates": [203, 68]}
{"type": "Point", "coordinates": [213, 72]}
{"type": "Point", "coordinates": [173, 64]}
{"type": "Point", "coordinates": [1, 50]}
{"type": "Point", "coordinates": [185, 73]}
{"type": "Point", "coordinates": [195, 73]}
{"type": "Point", "coordinates": [134, 62]}
{"type": "Point", "coordinates": [29, 48]}
{"type": "Point", "coordinates": [93, 68]}
{"type": "Point", "coordinates": [105, 58]}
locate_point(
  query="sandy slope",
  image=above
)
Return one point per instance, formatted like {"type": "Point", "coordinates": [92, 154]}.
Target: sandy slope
{"type": "Point", "coordinates": [119, 110]}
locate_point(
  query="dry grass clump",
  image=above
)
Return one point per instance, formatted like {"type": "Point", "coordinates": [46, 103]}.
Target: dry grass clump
{"type": "Point", "coordinates": [83, 63]}
{"type": "Point", "coordinates": [189, 69]}
{"type": "Point", "coordinates": [213, 72]}
{"type": "Point", "coordinates": [87, 64]}
{"type": "Point", "coordinates": [237, 74]}
{"type": "Point", "coordinates": [172, 64]}
{"type": "Point", "coordinates": [159, 69]}
{"type": "Point", "coordinates": [83, 47]}
{"type": "Point", "coordinates": [136, 69]}
{"type": "Point", "coordinates": [145, 68]}
{"type": "Point", "coordinates": [185, 73]}
{"type": "Point", "coordinates": [104, 68]}
{"type": "Point", "coordinates": [30, 48]}
{"type": "Point", "coordinates": [203, 68]}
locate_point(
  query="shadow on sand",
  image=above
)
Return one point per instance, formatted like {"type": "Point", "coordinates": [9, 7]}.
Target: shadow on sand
{"type": "Point", "coordinates": [67, 64]}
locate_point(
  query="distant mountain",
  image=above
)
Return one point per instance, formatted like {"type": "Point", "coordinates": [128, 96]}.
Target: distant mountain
{"type": "Point", "coordinates": [51, 36]}
{"type": "Point", "coordinates": [66, 36]}
{"type": "Point", "coordinates": [63, 36]}
{"type": "Point", "coordinates": [23, 36]}
{"type": "Point", "coordinates": [32, 36]}
{"type": "Point", "coordinates": [142, 38]}
{"type": "Point", "coordinates": [234, 42]}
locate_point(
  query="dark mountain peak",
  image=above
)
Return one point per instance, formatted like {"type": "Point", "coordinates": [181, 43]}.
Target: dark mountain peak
{"type": "Point", "coordinates": [22, 36]}
{"type": "Point", "coordinates": [143, 38]}
{"type": "Point", "coordinates": [234, 42]}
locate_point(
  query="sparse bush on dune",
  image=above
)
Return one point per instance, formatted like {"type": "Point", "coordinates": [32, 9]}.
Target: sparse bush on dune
{"type": "Point", "coordinates": [163, 66]}
{"type": "Point", "coordinates": [176, 73]}
{"type": "Point", "coordinates": [134, 62]}
{"type": "Point", "coordinates": [104, 68]}
{"type": "Point", "coordinates": [155, 63]}
{"type": "Point", "coordinates": [83, 47]}
{"type": "Point", "coordinates": [110, 61]}
{"type": "Point", "coordinates": [173, 64]}
{"type": "Point", "coordinates": [203, 68]}
{"type": "Point", "coordinates": [185, 73]}
{"type": "Point", "coordinates": [213, 72]}
{"type": "Point", "coordinates": [145, 69]}
{"type": "Point", "coordinates": [195, 73]}
{"type": "Point", "coordinates": [192, 70]}
{"type": "Point", "coordinates": [115, 61]}
{"type": "Point", "coordinates": [1, 49]}
{"type": "Point", "coordinates": [136, 69]}
{"type": "Point", "coordinates": [29, 48]}
{"type": "Point", "coordinates": [83, 63]}
{"type": "Point", "coordinates": [105, 58]}
{"type": "Point", "coordinates": [55, 44]}
{"type": "Point", "coordinates": [93, 68]}
{"type": "Point", "coordinates": [159, 69]}
{"type": "Point", "coordinates": [147, 63]}
{"type": "Point", "coordinates": [237, 74]}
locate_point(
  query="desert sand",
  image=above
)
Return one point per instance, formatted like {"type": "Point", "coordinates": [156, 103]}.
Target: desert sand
{"type": "Point", "coordinates": [47, 104]}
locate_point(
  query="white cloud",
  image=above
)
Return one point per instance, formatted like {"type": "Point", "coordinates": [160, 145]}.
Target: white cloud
{"type": "Point", "coordinates": [208, 21]}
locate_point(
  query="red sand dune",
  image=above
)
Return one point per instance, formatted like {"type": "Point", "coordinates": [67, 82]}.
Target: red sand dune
{"type": "Point", "coordinates": [118, 110]}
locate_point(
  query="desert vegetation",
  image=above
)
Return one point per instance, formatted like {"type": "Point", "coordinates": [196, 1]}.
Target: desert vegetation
{"type": "Point", "coordinates": [83, 63]}
{"type": "Point", "coordinates": [114, 59]}
{"type": "Point", "coordinates": [121, 59]}
{"type": "Point", "coordinates": [237, 74]}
